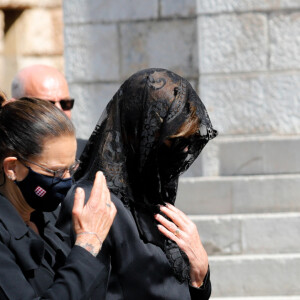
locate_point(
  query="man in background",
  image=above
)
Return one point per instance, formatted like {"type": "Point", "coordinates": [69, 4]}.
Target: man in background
{"type": "Point", "coordinates": [43, 82]}
{"type": "Point", "coordinates": [47, 83]}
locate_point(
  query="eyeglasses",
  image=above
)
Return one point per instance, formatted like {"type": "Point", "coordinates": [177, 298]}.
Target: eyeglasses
{"type": "Point", "coordinates": [57, 173]}
{"type": "Point", "coordinates": [66, 104]}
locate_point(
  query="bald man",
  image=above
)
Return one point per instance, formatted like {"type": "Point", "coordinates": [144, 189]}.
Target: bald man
{"type": "Point", "coordinates": [43, 82]}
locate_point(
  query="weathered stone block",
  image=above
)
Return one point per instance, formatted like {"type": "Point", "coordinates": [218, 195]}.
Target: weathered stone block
{"type": "Point", "coordinates": [278, 193]}
{"type": "Point", "coordinates": [219, 6]}
{"type": "Point", "coordinates": [219, 234]}
{"type": "Point", "coordinates": [255, 275]}
{"type": "Point", "coordinates": [91, 52]}
{"type": "Point", "coordinates": [166, 44]}
{"type": "Point", "coordinates": [254, 103]}
{"type": "Point", "coordinates": [43, 34]}
{"type": "Point", "coordinates": [249, 233]}
{"type": "Point", "coordinates": [183, 8]}
{"type": "Point", "coordinates": [239, 194]}
{"type": "Point", "coordinates": [54, 61]}
{"type": "Point", "coordinates": [284, 41]}
{"type": "Point", "coordinates": [259, 155]}
{"type": "Point", "coordinates": [233, 43]}
{"type": "Point", "coordinates": [200, 195]}
{"type": "Point", "coordinates": [79, 11]}
{"type": "Point", "coordinates": [271, 233]}
{"type": "Point", "coordinates": [90, 102]}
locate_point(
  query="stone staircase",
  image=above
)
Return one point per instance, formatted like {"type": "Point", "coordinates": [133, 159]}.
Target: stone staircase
{"type": "Point", "coordinates": [248, 215]}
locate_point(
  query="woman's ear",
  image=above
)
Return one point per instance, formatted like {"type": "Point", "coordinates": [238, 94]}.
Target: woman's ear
{"type": "Point", "coordinates": [9, 167]}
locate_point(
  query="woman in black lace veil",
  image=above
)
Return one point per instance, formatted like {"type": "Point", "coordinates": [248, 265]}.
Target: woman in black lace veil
{"type": "Point", "coordinates": [151, 132]}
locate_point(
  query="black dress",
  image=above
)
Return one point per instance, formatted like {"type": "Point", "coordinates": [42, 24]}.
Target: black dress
{"type": "Point", "coordinates": [151, 131]}
{"type": "Point", "coordinates": [42, 266]}
{"type": "Point", "coordinates": [139, 270]}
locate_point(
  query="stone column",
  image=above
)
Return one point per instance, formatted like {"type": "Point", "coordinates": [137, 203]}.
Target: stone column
{"type": "Point", "coordinates": [33, 34]}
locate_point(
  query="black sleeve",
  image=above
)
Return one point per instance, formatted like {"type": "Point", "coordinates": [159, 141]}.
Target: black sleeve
{"type": "Point", "coordinates": [64, 223]}
{"type": "Point", "coordinates": [64, 220]}
{"type": "Point", "coordinates": [75, 280]}
{"type": "Point", "coordinates": [53, 215]}
{"type": "Point", "coordinates": [202, 293]}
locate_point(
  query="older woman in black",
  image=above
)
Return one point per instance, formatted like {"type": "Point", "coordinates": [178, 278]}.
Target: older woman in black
{"type": "Point", "coordinates": [152, 130]}
{"type": "Point", "coordinates": [37, 160]}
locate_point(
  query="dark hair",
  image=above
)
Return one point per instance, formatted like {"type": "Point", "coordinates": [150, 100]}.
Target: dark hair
{"type": "Point", "coordinates": [190, 126]}
{"type": "Point", "coordinates": [25, 123]}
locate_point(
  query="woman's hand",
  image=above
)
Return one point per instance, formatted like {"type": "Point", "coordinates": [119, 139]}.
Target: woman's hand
{"type": "Point", "coordinates": [184, 232]}
{"type": "Point", "coordinates": [93, 220]}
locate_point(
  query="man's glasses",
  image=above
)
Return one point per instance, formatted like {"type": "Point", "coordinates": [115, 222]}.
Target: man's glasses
{"type": "Point", "coordinates": [66, 104]}
{"type": "Point", "coordinates": [60, 173]}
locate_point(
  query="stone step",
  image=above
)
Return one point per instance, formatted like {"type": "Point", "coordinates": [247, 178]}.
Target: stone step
{"type": "Point", "coordinates": [239, 194]}
{"type": "Point", "coordinates": [249, 233]}
{"type": "Point", "coordinates": [258, 298]}
{"type": "Point", "coordinates": [255, 275]}
{"type": "Point", "coordinates": [259, 155]}
{"type": "Point", "coordinates": [248, 155]}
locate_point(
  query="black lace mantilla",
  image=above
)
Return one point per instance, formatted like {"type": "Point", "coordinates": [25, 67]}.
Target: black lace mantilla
{"type": "Point", "coordinates": [129, 146]}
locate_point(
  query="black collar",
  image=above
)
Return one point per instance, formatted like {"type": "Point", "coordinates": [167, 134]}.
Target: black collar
{"type": "Point", "coordinates": [11, 219]}
{"type": "Point", "coordinates": [28, 248]}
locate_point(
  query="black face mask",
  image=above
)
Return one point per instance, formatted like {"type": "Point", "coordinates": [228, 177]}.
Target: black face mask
{"type": "Point", "coordinates": [42, 192]}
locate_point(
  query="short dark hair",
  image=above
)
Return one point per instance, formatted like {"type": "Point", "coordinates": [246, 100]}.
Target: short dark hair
{"type": "Point", "coordinates": [24, 125]}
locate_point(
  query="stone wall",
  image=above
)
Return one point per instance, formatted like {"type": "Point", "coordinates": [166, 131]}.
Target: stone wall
{"type": "Point", "coordinates": [31, 31]}
{"type": "Point", "coordinates": [243, 57]}
{"type": "Point", "coordinates": [249, 69]}
{"type": "Point", "coordinates": [250, 65]}
{"type": "Point", "coordinates": [107, 41]}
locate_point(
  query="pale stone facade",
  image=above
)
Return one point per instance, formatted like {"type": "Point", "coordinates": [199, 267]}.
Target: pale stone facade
{"type": "Point", "coordinates": [249, 72]}
{"type": "Point", "coordinates": [242, 57]}
{"type": "Point", "coordinates": [31, 32]}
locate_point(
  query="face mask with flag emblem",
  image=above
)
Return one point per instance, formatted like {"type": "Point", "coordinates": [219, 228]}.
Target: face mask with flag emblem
{"type": "Point", "coordinates": [42, 192]}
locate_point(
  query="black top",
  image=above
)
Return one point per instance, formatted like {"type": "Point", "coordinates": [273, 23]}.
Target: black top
{"type": "Point", "coordinates": [139, 270]}
{"type": "Point", "coordinates": [42, 266]}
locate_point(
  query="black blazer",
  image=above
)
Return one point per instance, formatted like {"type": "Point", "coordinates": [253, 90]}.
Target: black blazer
{"type": "Point", "coordinates": [25, 261]}
{"type": "Point", "coordinates": [138, 270]}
